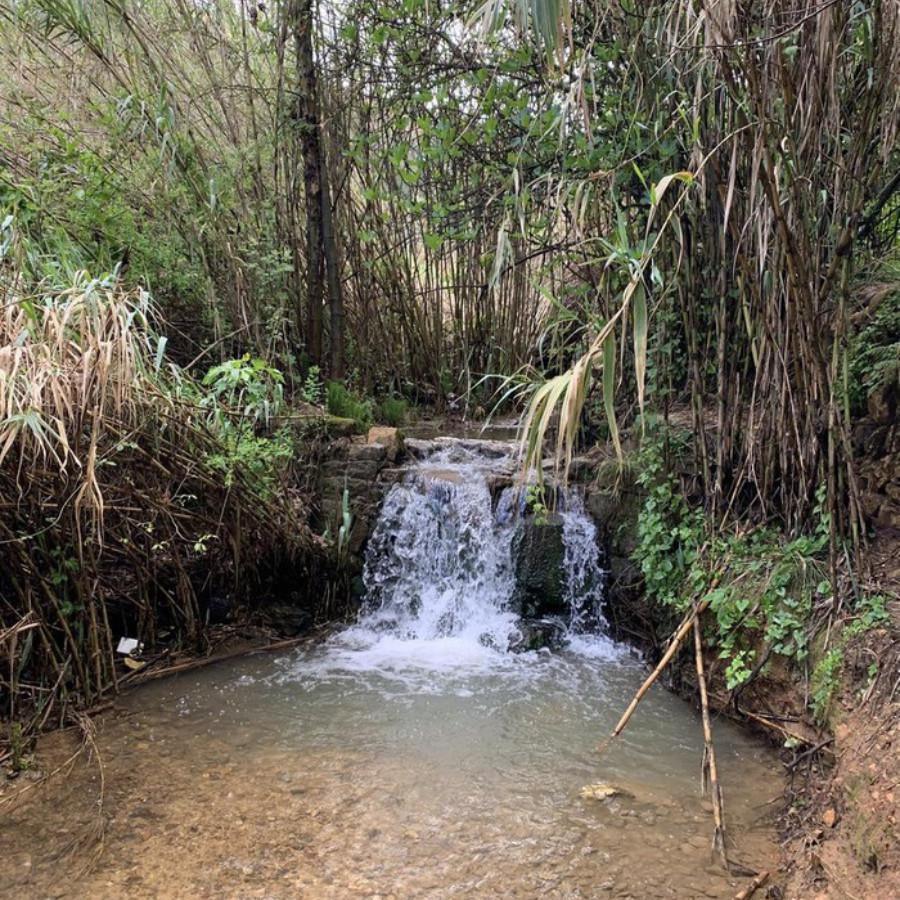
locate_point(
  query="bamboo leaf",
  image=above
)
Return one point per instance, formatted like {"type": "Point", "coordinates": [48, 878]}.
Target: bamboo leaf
{"type": "Point", "coordinates": [609, 390]}
{"type": "Point", "coordinates": [640, 343]}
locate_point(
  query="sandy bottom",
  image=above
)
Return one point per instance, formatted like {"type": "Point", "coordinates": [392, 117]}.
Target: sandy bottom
{"type": "Point", "coordinates": [224, 805]}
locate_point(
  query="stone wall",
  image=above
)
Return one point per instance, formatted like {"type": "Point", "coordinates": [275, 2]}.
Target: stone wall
{"type": "Point", "coordinates": [364, 466]}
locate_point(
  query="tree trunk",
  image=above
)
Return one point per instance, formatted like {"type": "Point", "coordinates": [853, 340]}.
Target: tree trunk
{"type": "Point", "coordinates": [321, 247]}
{"type": "Point", "coordinates": [311, 148]}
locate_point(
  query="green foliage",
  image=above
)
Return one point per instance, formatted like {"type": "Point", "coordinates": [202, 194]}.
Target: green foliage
{"type": "Point", "coordinates": [257, 458]}
{"type": "Point", "coordinates": [248, 385]}
{"type": "Point", "coordinates": [536, 503]}
{"type": "Point", "coordinates": [244, 395]}
{"type": "Point", "coordinates": [870, 612]}
{"type": "Point", "coordinates": [875, 349]}
{"type": "Point", "coordinates": [20, 759]}
{"type": "Point", "coordinates": [670, 533]}
{"type": "Point", "coordinates": [761, 587]}
{"type": "Point", "coordinates": [313, 391]}
{"type": "Point", "coordinates": [339, 401]}
{"type": "Point", "coordinates": [825, 681]}
{"type": "Point", "coordinates": [392, 411]}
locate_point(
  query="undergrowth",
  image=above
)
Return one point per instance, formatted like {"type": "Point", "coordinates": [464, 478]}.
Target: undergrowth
{"type": "Point", "coordinates": [131, 491]}
{"type": "Point", "coordinates": [765, 590]}
{"type": "Point", "coordinates": [341, 402]}
{"type": "Point", "coordinates": [875, 347]}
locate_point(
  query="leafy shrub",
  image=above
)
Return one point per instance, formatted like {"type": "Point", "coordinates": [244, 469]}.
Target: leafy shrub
{"type": "Point", "coordinates": [253, 389]}
{"type": "Point", "coordinates": [313, 390]}
{"type": "Point", "coordinates": [249, 385]}
{"type": "Point", "coordinates": [669, 532]}
{"type": "Point", "coordinates": [758, 584]}
{"type": "Point", "coordinates": [257, 457]}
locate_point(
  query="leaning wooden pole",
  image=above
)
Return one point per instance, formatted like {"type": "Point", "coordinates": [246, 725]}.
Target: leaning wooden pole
{"type": "Point", "coordinates": [674, 643]}
{"type": "Point", "coordinates": [710, 770]}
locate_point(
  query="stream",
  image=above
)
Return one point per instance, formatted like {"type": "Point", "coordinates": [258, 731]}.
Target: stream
{"type": "Point", "coordinates": [413, 753]}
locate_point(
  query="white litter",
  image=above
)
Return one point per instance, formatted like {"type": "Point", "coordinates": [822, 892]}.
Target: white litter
{"type": "Point", "coordinates": [128, 645]}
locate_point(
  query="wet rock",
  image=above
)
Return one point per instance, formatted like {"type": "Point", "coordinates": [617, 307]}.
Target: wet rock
{"type": "Point", "coordinates": [538, 551]}
{"type": "Point", "coordinates": [373, 452]}
{"type": "Point", "coordinates": [536, 634]}
{"type": "Point", "coordinates": [602, 790]}
{"type": "Point", "coordinates": [337, 426]}
{"type": "Point", "coordinates": [289, 620]}
{"type": "Point", "coordinates": [419, 449]}
{"type": "Point", "coordinates": [392, 475]}
{"type": "Point", "coordinates": [390, 438]}
{"type": "Point", "coordinates": [498, 482]}
{"type": "Point", "coordinates": [439, 474]}
{"type": "Point", "coordinates": [219, 608]}
{"type": "Point", "coordinates": [353, 469]}
{"type": "Point", "coordinates": [496, 450]}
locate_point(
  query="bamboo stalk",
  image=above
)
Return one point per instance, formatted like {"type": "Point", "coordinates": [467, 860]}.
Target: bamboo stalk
{"type": "Point", "coordinates": [674, 643]}
{"type": "Point", "coordinates": [142, 676]}
{"type": "Point", "coordinates": [753, 887]}
{"type": "Point", "coordinates": [710, 769]}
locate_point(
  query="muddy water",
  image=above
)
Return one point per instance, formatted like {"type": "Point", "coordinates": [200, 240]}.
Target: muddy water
{"type": "Point", "coordinates": [309, 776]}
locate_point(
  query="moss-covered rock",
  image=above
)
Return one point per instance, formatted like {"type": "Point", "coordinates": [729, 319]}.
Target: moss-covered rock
{"type": "Point", "coordinates": [538, 551]}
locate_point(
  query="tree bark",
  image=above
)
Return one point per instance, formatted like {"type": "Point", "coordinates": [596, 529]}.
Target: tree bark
{"type": "Point", "coordinates": [321, 246]}
{"type": "Point", "coordinates": [311, 149]}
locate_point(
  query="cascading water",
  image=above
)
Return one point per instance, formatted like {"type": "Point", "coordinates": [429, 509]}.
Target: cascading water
{"type": "Point", "coordinates": [440, 572]}
{"type": "Point", "coordinates": [438, 564]}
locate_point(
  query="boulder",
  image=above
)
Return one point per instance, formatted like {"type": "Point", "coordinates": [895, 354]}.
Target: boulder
{"type": "Point", "coordinates": [538, 553]}
{"type": "Point", "coordinates": [390, 438]}
{"type": "Point", "coordinates": [288, 619]}
{"type": "Point", "coordinates": [883, 402]}
{"type": "Point", "coordinates": [338, 426]}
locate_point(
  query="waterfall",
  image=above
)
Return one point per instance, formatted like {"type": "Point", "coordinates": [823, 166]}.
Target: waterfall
{"type": "Point", "coordinates": [440, 564]}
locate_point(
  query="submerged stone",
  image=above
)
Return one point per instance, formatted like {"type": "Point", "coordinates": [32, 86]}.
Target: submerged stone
{"type": "Point", "coordinates": [602, 790]}
{"type": "Point", "coordinates": [538, 634]}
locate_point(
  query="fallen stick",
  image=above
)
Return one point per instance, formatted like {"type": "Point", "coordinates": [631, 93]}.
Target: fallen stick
{"type": "Point", "coordinates": [753, 887]}
{"type": "Point", "coordinates": [674, 644]}
{"type": "Point", "coordinates": [141, 677]}
{"type": "Point", "coordinates": [709, 752]}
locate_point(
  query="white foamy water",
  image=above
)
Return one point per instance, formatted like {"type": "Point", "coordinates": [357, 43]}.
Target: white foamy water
{"type": "Point", "coordinates": [440, 584]}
